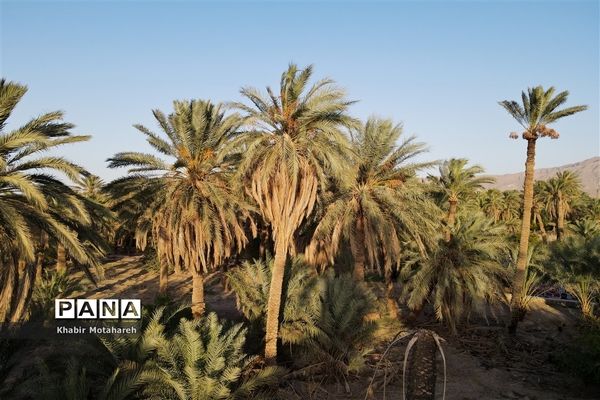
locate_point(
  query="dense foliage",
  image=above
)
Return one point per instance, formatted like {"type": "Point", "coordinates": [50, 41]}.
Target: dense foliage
{"type": "Point", "coordinates": [341, 205]}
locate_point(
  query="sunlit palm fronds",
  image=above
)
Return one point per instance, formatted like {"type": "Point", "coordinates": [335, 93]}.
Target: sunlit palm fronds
{"type": "Point", "coordinates": [460, 275]}
{"type": "Point", "coordinates": [378, 204]}
{"type": "Point", "coordinates": [294, 147]}
{"type": "Point", "coordinates": [187, 203]}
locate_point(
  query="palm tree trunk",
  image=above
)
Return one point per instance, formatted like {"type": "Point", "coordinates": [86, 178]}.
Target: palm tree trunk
{"type": "Point", "coordinates": [61, 259]}
{"type": "Point", "coordinates": [22, 268]}
{"type": "Point", "coordinates": [198, 304]}
{"type": "Point", "coordinates": [451, 218]}
{"type": "Point", "coordinates": [520, 274]}
{"type": "Point", "coordinates": [357, 247]}
{"type": "Point", "coordinates": [163, 279]}
{"type": "Point", "coordinates": [274, 302]}
{"type": "Point", "coordinates": [540, 222]}
{"type": "Point", "coordinates": [392, 305]}
{"type": "Point", "coordinates": [421, 373]}
{"type": "Point", "coordinates": [560, 218]}
{"type": "Point", "coordinates": [39, 265]}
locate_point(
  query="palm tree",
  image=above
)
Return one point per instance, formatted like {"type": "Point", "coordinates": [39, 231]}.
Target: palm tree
{"type": "Point", "coordinates": [510, 211]}
{"type": "Point", "coordinates": [511, 205]}
{"type": "Point", "coordinates": [379, 202]}
{"type": "Point", "coordinates": [539, 109]}
{"type": "Point", "coordinates": [492, 204]}
{"type": "Point", "coordinates": [586, 228]}
{"type": "Point", "coordinates": [195, 218]}
{"type": "Point", "coordinates": [457, 183]}
{"type": "Point", "coordinates": [461, 274]}
{"type": "Point", "coordinates": [293, 146]}
{"type": "Point", "coordinates": [28, 193]}
{"type": "Point", "coordinates": [92, 186]}
{"type": "Point", "coordinates": [561, 191]}
{"type": "Point", "coordinates": [323, 318]}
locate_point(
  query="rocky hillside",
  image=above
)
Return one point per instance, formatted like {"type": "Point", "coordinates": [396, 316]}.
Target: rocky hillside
{"type": "Point", "coordinates": [588, 170]}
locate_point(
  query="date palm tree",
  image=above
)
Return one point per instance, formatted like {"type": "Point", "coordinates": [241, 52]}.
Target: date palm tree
{"type": "Point", "coordinates": [457, 182]}
{"type": "Point", "coordinates": [539, 109]}
{"type": "Point", "coordinates": [378, 203]}
{"type": "Point", "coordinates": [462, 274]}
{"type": "Point", "coordinates": [491, 204]}
{"type": "Point", "coordinates": [561, 191]}
{"type": "Point", "coordinates": [294, 144]}
{"type": "Point", "coordinates": [192, 214]}
{"type": "Point", "coordinates": [28, 194]}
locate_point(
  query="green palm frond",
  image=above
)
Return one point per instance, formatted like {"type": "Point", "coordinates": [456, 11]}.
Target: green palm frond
{"type": "Point", "coordinates": [538, 109]}
{"type": "Point", "coordinates": [460, 275]}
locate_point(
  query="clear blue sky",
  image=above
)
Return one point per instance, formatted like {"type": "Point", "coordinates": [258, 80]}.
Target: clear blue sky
{"type": "Point", "coordinates": [440, 68]}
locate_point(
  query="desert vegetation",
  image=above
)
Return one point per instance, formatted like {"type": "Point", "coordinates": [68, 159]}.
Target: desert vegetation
{"type": "Point", "coordinates": [320, 256]}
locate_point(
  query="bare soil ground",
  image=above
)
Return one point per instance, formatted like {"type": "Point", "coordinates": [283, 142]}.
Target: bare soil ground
{"type": "Point", "coordinates": [482, 361]}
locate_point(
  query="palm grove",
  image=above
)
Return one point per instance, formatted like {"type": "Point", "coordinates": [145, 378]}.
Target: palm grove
{"type": "Point", "coordinates": [284, 190]}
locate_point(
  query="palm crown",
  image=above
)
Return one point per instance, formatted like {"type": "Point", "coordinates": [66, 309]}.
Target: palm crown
{"type": "Point", "coordinates": [539, 108]}
{"type": "Point", "coordinates": [198, 224]}
{"type": "Point", "coordinates": [28, 191]}
{"type": "Point", "coordinates": [379, 203]}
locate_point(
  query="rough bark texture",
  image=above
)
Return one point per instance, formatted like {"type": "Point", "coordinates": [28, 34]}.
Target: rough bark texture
{"type": "Point", "coordinates": [560, 218]}
{"type": "Point", "coordinates": [198, 304]}
{"type": "Point", "coordinates": [421, 370]}
{"type": "Point", "coordinates": [392, 305]}
{"type": "Point", "coordinates": [39, 266]}
{"type": "Point", "coordinates": [357, 247]}
{"type": "Point", "coordinates": [274, 304]}
{"type": "Point", "coordinates": [540, 222]}
{"type": "Point", "coordinates": [61, 259]}
{"type": "Point", "coordinates": [517, 312]}
{"type": "Point", "coordinates": [163, 280]}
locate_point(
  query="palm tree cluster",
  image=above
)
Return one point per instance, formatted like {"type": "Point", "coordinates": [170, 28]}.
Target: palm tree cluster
{"type": "Point", "coordinates": [39, 210]}
{"type": "Point", "coordinates": [307, 207]}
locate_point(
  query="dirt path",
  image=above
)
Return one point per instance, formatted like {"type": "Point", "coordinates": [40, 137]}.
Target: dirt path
{"type": "Point", "coordinates": [126, 277]}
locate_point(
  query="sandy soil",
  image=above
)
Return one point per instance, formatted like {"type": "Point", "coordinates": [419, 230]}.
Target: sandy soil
{"type": "Point", "coordinates": [482, 363]}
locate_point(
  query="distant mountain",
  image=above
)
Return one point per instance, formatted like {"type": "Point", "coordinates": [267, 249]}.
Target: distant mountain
{"type": "Point", "coordinates": [588, 171]}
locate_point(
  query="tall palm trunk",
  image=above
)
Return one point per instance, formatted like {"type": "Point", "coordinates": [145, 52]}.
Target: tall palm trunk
{"type": "Point", "coordinates": [39, 265]}
{"type": "Point", "coordinates": [198, 304]}
{"type": "Point", "coordinates": [560, 218]}
{"type": "Point", "coordinates": [451, 217]}
{"type": "Point", "coordinates": [274, 302]}
{"type": "Point", "coordinates": [392, 305]}
{"type": "Point", "coordinates": [357, 247]}
{"type": "Point", "coordinates": [163, 278]}
{"type": "Point", "coordinates": [61, 259]}
{"type": "Point", "coordinates": [540, 223]}
{"type": "Point", "coordinates": [521, 271]}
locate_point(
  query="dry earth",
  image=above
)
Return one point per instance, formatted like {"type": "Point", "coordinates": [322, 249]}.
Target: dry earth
{"type": "Point", "coordinates": [480, 364]}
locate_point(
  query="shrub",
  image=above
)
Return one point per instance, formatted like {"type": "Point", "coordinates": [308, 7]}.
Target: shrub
{"type": "Point", "coordinates": [53, 285]}
{"type": "Point", "coordinates": [203, 361]}
{"type": "Point", "coordinates": [582, 358]}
